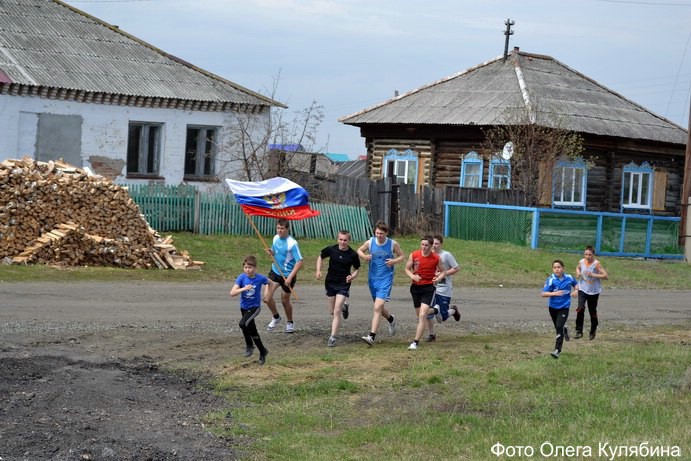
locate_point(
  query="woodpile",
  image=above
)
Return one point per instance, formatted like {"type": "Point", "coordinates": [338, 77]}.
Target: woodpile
{"type": "Point", "coordinates": [54, 213]}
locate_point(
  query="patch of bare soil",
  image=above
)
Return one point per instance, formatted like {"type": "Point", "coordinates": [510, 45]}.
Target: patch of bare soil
{"type": "Point", "coordinates": [58, 408]}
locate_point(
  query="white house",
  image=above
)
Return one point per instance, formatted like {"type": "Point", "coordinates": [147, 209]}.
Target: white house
{"type": "Point", "coordinates": [77, 88]}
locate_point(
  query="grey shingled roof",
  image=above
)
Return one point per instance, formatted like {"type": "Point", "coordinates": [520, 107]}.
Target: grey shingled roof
{"type": "Point", "coordinates": [487, 93]}
{"type": "Point", "coordinates": [49, 44]}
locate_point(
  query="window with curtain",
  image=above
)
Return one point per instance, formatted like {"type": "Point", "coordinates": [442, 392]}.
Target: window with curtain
{"type": "Point", "coordinates": [499, 173]}
{"type": "Point", "coordinates": [471, 170]}
{"type": "Point", "coordinates": [569, 183]}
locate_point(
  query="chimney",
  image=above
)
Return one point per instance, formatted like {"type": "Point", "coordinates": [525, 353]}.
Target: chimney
{"type": "Point", "coordinates": [508, 33]}
{"type": "Point", "coordinates": [395, 93]}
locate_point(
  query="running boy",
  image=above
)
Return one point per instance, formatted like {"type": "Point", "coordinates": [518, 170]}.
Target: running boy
{"type": "Point", "coordinates": [338, 279]}
{"type": "Point", "coordinates": [248, 286]}
{"type": "Point", "coordinates": [287, 262]}
{"type": "Point", "coordinates": [559, 288]}
{"type": "Point", "coordinates": [424, 267]}
{"type": "Point", "coordinates": [382, 253]}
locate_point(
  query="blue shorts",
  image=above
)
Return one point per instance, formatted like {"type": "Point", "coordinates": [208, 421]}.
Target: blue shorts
{"type": "Point", "coordinates": [333, 290]}
{"type": "Point", "coordinates": [381, 288]}
{"type": "Point", "coordinates": [443, 303]}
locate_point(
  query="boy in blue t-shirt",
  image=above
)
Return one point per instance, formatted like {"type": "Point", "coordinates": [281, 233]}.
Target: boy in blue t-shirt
{"type": "Point", "coordinates": [248, 286]}
{"type": "Point", "coordinates": [559, 288]}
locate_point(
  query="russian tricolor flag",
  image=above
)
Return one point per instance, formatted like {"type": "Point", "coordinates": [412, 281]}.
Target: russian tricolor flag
{"type": "Point", "coordinates": [275, 198]}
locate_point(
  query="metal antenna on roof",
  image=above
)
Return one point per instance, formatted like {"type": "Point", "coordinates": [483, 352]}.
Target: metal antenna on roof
{"type": "Point", "coordinates": [508, 32]}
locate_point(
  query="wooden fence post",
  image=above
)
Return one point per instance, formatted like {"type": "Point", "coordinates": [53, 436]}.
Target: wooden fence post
{"type": "Point", "coordinates": [197, 211]}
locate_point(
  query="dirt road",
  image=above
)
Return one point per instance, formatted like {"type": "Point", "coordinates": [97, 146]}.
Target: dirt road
{"type": "Point", "coordinates": [79, 362]}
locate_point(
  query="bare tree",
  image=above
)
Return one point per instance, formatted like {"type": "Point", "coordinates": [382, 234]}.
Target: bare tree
{"type": "Point", "coordinates": [248, 156]}
{"type": "Point", "coordinates": [537, 145]}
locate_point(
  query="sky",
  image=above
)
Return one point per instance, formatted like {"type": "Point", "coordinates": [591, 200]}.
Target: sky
{"type": "Point", "coordinates": [349, 55]}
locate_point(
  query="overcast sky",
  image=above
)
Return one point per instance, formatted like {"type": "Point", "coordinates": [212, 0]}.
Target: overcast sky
{"type": "Point", "coordinates": [351, 54]}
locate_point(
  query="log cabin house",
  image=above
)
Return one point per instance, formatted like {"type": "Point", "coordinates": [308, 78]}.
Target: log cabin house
{"type": "Point", "coordinates": [633, 160]}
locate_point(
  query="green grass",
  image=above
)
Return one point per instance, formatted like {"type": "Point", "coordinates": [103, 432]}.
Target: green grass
{"type": "Point", "coordinates": [483, 264]}
{"type": "Point", "coordinates": [456, 399]}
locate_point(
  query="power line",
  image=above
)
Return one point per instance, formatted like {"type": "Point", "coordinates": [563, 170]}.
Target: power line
{"type": "Point", "coordinates": [676, 80]}
{"type": "Point", "coordinates": [633, 2]}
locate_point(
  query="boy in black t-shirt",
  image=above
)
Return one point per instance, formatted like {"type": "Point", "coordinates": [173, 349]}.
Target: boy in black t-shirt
{"type": "Point", "coordinates": [338, 278]}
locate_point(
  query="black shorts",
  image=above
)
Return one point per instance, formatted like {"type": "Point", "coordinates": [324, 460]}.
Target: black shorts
{"type": "Point", "coordinates": [333, 290]}
{"type": "Point", "coordinates": [422, 294]}
{"type": "Point", "coordinates": [274, 277]}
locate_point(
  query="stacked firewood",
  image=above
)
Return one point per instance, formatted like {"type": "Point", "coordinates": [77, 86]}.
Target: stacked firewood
{"type": "Point", "coordinates": [54, 213]}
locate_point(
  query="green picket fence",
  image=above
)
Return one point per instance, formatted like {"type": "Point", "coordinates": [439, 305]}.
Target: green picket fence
{"type": "Point", "coordinates": [183, 208]}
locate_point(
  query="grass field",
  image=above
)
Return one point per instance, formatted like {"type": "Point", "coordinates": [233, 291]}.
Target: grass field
{"type": "Point", "coordinates": [460, 398]}
{"type": "Point", "coordinates": [483, 264]}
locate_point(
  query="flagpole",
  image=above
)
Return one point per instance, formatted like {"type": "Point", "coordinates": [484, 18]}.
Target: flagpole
{"type": "Point", "coordinates": [268, 250]}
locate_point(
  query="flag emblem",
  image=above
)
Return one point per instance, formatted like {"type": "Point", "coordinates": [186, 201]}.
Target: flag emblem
{"type": "Point", "coordinates": [275, 198]}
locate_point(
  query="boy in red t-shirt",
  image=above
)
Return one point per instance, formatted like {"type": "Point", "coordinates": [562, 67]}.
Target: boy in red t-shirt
{"type": "Point", "coordinates": [424, 267]}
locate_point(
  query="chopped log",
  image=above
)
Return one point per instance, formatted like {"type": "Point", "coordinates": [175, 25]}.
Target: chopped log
{"type": "Point", "coordinates": [56, 213]}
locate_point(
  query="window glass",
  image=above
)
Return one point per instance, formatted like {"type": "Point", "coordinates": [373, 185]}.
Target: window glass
{"type": "Point", "coordinates": [637, 186]}
{"type": "Point", "coordinates": [200, 151]}
{"type": "Point", "coordinates": [471, 170]}
{"type": "Point", "coordinates": [401, 166]}
{"type": "Point", "coordinates": [568, 183]}
{"type": "Point", "coordinates": [499, 173]}
{"type": "Point", "coordinates": [143, 148]}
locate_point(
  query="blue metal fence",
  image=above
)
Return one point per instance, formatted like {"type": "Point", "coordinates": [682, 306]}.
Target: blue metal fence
{"type": "Point", "coordinates": [613, 234]}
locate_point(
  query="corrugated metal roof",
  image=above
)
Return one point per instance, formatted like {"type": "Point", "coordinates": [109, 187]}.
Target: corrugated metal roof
{"type": "Point", "coordinates": [352, 168]}
{"type": "Point", "coordinates": [488, 93]}
{"type": "Point", "coordinates": [48, 43]}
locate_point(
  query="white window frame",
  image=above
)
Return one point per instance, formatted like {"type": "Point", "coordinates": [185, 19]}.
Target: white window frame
{"type": "Point", "coordinates": [566, 172]}
{"type": "Point", "coordinates": [471, 160]}
{"type": "Point", "coordinates": [499, 180]}
{"type": "Point", "coordinates": [403, 166]}
{"type": "Point", "coordinates": [148, 149]}
{"type": "Point", "coordinates": [637, 186]}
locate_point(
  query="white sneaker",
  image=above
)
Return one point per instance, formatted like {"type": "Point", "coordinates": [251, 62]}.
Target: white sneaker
{"type": "Point", "coordinates": [290, 327]}
{"type": "Point", "coordinates": [274, 323]}
{"type": "Point", "coordinates": [392, 327]}
{"type": "Point", "coordinates": [331, 342]}
{"type": "Point", "coordinates": [438, 316]}
{"type": "Point", "coordinates": [412, 347]}
{"type": "Point", "coordinates": [368, 339]}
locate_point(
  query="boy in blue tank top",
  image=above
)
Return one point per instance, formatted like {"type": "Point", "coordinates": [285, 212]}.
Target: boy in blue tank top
{"type": "Point", "coordinates": [382, 254]}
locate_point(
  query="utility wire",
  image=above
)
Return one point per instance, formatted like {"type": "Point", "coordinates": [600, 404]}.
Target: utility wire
{"type": "Point", "coordinates": [632, 2]}
{"type": "Point", "coordinates": [676, 79]}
